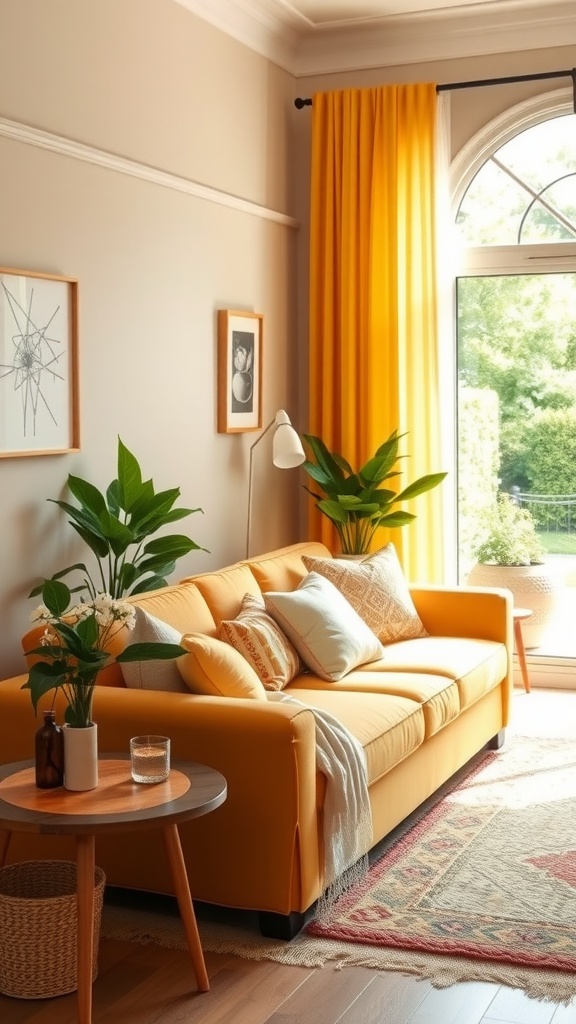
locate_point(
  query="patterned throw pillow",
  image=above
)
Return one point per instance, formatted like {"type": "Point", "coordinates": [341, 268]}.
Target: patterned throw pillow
{"type": "Point", "coordinates": [215, 668]}
{"type": "Point", "coordinates": [329, 635]}
{"type": "Point", "coordinates": [153, 675]}
{"type": "Point", "coordinates": [257, 637]}
{"type": "Point", "coordinates": [378, 591]}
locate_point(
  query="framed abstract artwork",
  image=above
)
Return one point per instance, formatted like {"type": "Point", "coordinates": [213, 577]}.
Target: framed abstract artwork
{"type": "Point", "coordinates": [239, 371]}
{"type": "Point", "coordinates": [39, 412]}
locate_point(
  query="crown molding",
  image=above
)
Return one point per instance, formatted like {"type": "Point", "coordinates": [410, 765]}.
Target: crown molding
{"type": "Point", "coordinates": [302, 48]}
{"type": "Point", "coordinates": [31, 136]}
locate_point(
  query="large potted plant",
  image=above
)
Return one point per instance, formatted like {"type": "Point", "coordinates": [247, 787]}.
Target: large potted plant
{"type": "Point", "coordinates": [116, 526]}
{"type": "Point", "coordinates": [359, 502]}
{"type": "Point", "coordinates": [81, 639]}
{"type": "Point", "coordinates": [510, 554]}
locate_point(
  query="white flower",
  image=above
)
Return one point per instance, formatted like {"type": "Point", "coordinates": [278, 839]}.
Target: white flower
{"type": "Point", "coordinates": [79, 612]}
{"type": "Point", "coordinates": [41, 614]}
{"type": "Point", "coordinates": [108, 609]}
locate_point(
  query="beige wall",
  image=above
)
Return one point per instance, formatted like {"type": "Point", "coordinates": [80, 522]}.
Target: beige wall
{"type": "Point", "coordinates": [147, 81]}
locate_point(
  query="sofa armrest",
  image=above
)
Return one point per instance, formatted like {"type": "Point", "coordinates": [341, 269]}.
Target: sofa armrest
{"type": "Point", "coordinates": [476, 612]}
{"type": "Point", "coordinates": [266, 832]}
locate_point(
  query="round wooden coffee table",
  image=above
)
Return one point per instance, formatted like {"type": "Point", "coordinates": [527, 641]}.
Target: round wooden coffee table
{"type": "Point", "coordinates": [118, 804]}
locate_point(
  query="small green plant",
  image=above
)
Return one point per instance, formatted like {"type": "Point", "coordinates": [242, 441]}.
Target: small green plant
{"type": "Point", "coordinates": [355, 500]}
{"type": "Point", "coordinates": [75, 647]}
{"type": "Point", "coordinates": [116, 527]}
{"type": "Point", "coordinates": [509, 535]}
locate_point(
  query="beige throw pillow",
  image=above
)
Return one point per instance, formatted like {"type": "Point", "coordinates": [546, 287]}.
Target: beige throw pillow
{"type": "Point", "coordinates": [255, 634]}
{"type": "Point", "coordinates": [377, 590]}
{"type": "Point", "coordinates": [153, 675]}
{"type": "Point", "coordinates": [324, 628]}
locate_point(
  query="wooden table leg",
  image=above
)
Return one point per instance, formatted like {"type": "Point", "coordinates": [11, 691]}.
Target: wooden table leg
{"type": "Point", "coordinates": [85, 863]}
{"type": "Point", "coordinates": [180, 878]}
{"type": "Point", "coordinates": [4, 842]}
{"type": "Point", "coordinates": [519, 639]}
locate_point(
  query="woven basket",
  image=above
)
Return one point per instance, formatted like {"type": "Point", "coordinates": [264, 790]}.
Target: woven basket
{"type": "Point", "coordinates": [38, 926]}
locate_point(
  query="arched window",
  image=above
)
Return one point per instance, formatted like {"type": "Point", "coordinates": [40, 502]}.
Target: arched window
{"type": "Point", "coordinates": [525, 192]}
{"type": "Point", "coordinates": [514, 203]}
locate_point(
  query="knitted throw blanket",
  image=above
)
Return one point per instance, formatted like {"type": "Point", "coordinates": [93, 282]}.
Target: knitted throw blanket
{"type": "Point", "coordinates": [347, 815]}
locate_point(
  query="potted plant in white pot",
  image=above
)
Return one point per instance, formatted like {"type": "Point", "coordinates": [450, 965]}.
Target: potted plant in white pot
{"type": "Point", "coordinates": [359, 502]}
{"type": "Point", "coordinates": [510, 554]}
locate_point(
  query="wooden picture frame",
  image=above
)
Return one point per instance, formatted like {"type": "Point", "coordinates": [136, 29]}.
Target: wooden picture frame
{"type": "Point", "coordinates": [239, 371]}
{"type": "Point", "coordinates": [39, 411]}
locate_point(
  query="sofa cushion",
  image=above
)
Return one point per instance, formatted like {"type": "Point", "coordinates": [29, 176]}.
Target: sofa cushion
{"type": "Point", "coordinates": [181, 606]}
{"type": "Point", "coordinates": [388, 727]}
{"type": "Point", "coordinates": [284, 569]}
{"type": "Point", "coordinates": [224, 591]}
{"type": "Point", "coordinates": [259, 639]}
{"type": "Point", "coordinates": [377, 590]}
{"type": "Point", "coordinates": [153, 675]}
{"type": "Point", "coordinates": [215, 668]}
{"type": "Point", "coordinates": [475, 666]}
{"type": "Point", "coordinates": [329, 635]}
{"type": "Point", "coordinates": [438, 696]}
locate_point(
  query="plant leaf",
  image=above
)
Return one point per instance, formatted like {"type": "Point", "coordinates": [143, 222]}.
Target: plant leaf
{"type": "Point", "coordinates": [150, 652]}
{"type": "Point", "coordinates": [129, 478]}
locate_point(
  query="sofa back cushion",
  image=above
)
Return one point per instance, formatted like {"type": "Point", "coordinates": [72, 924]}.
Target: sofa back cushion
{"type": "Point", "coordinates": [284, 568]}
{"type": "Point", "coordinates": [181, 606]}
{"type": "Point", "coordinates": [224, 590]}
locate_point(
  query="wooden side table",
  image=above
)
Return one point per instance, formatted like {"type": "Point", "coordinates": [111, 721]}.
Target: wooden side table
{"type": "Point", "coordinates": [520, 614]}
{"type": "Point", "coordinates": [118, 804]}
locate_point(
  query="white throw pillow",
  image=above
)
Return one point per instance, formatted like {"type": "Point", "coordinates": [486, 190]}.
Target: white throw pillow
{"type": "Point", "coordinates": [328, 634]}
{"type": "Point", "coordinates": [153, 675]}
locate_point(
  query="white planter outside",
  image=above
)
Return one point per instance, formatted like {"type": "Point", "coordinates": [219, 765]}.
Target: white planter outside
{"type": "Point", "coordinates": [80, 757]}
{"type": "Point", "coordinates": [533, 586]}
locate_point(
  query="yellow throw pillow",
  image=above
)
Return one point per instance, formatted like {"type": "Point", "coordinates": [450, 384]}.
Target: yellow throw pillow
{"type": "Point", "coordinates": [257, 638]}
{"type": "Point", "coordinates": [377, 590]}
{"type": "Point", "coordinates": [215, 669]}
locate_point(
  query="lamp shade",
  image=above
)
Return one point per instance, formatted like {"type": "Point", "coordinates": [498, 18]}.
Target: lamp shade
{"type": "Point", "coordinates": [287, 450]}
{"type": "Point", "coordinates": [287, 453]}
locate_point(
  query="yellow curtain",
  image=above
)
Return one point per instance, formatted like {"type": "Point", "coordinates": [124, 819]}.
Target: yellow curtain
{"type": "Point", "coordinates": [373, 305]}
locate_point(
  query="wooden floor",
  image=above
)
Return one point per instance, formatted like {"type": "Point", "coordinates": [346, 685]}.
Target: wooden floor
{"type": "Point", "coordinates": [150, 985]}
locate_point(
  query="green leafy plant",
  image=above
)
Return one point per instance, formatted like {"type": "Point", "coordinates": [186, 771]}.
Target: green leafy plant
{"type": "Point", "coordinates": [509, 535]}
{"type": "Point", "coordinates": [75, 647]}
{"type": "Point", "coordinates": [116, 527]}
{"type": "Point", "coordinates": [355, 500]}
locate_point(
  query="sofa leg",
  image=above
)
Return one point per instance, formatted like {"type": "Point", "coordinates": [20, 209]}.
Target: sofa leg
{"type": "Point", "coordinates": [497, 741]}
{"type": "Point", "coordinates": [280, 926]}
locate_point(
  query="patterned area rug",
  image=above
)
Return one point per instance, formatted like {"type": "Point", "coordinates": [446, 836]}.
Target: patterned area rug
{"type": "Point", "coordinates": [480, 887]}
{"type": "Point", "coordinates": [490, 872]}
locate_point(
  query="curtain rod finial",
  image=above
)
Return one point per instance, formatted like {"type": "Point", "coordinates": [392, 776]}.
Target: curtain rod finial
{"type": "Point", "coordinates": [299, 102]}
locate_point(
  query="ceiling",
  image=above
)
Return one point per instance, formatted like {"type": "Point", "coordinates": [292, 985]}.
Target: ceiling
{"type": "Point", "coordinates": [308, 37]}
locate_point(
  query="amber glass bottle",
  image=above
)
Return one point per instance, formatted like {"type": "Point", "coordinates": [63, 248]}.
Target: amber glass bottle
{"type": "Point", "coordinates": [49, 753]}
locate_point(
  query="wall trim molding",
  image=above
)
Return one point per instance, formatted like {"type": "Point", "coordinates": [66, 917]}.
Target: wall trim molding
{"type": "Point", "coordinates": [30, 136]}
{"type": "Point", "coordinates": [282, 34]}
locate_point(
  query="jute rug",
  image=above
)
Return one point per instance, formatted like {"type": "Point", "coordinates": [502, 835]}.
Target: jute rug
{"type": "Point", "coordinates": [482, 886]}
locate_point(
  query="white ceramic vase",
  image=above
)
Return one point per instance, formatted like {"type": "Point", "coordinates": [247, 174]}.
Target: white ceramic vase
{"type": "Point", "coordinates": [80, 757]}
{"type": "Point", "coordinates": [533, 586]}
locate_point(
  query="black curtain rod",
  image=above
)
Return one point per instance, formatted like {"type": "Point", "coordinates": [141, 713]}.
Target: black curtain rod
{"type": "Point", "coordinates": [299, 102]}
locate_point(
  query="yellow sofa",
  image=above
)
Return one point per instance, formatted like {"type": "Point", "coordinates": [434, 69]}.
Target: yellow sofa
{"type": "Point", "coordinates": [420, 713]}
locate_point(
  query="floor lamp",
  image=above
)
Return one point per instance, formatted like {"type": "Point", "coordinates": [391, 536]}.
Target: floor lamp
{"type": "Point", "coordinates": [287, 453]}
